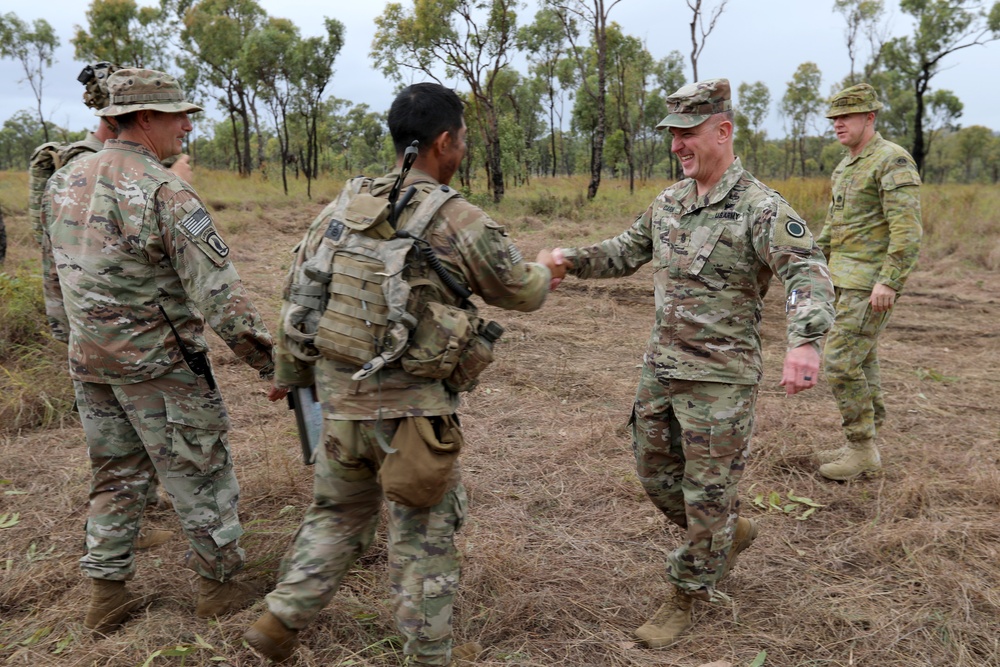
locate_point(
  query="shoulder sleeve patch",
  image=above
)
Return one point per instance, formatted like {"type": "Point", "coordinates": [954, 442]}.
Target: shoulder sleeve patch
{"type": "Point", "coordinates": [790, 231]}
{"type": "Point", "coordinates": [198, 227]}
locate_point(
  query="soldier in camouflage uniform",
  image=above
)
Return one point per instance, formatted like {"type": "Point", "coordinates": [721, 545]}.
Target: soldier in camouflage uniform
{"type": "Point", "coordinates": [424, 563]}
{"type": "Point", "coordinates": [95, 96]}
{"type": "Point", "coordinates": [716, 239]}
{"type": "Point", "coordinates": [871, 240]}
{"type": "Point", "coordinates": [127, 245]}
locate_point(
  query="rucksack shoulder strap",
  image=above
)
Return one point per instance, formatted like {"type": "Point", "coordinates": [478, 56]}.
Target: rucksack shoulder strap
{"type": "Point", "coordinates": [428, 208]}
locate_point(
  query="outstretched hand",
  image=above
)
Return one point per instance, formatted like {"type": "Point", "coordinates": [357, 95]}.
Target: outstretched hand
{"type": "Point", "coordinates": [556, 264]}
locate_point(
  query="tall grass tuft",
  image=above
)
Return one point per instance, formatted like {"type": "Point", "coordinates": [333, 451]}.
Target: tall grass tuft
{"type": "Point", "coordinates": [34, 388]}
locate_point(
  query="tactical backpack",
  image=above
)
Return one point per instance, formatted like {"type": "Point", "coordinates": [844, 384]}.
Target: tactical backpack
{"type": "Point", "coordinates": [45, 161]}
{"type": "Point", "coordinates": [351, 302]}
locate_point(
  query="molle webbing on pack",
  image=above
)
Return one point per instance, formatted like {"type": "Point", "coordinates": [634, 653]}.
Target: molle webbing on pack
{"type": "Point", "coordinates": [351, 297]}
{"type": "Point", "coordinates": [45, 161]}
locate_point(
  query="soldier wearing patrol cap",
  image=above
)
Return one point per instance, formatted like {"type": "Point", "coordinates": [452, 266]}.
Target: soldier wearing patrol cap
{"type": "Point", "coordinates": [716, 238]}
{"type": "Point", "coordinates": [133, 266]}
{"type": "Point", "coordinates": [871, 240]}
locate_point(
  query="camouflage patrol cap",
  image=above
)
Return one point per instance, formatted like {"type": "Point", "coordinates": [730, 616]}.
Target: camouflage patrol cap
{"type": "Point", "coordinates": [694, 103]}
{"type": "Point", "coordinates": [95, 80]}
{"type": "Point", "coordinates": [136, 89]}
{"type": "Point", "coordinates": [856, 99]}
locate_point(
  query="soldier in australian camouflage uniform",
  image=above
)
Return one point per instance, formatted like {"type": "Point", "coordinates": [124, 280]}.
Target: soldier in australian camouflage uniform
{"type": "Point", "coordinates": [871, 240]}
{"type": "Point", "coordinates": [339, 526]}
{"type": "Point", "coordinates": [126, 245]}
{"type": "Point", "coordinates": [716, 238]}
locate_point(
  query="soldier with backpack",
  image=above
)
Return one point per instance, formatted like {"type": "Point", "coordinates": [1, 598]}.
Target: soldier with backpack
{"type": "Point", "coordinates": [376, 314]}
{"type": "Point", "coordinates": [52, 156]}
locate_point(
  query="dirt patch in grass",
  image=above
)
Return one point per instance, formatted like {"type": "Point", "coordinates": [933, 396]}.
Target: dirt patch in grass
{"type": "Point", "coordinates": [563, 553]}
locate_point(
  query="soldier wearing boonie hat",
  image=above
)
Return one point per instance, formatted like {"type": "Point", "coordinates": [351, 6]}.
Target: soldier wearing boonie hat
{"type": "Point", "coordinates": [716, 239]}
{"type": "Point", "coordinates": [871, 240]}
{"type": "Point", "coordinates": [856, 99]}
{"type": "Point", "coordinates": [135, 89]}
{"type": "Point", "coordinates": [695, 103]}
{"type": "Point", "coordinates": [142, 269]}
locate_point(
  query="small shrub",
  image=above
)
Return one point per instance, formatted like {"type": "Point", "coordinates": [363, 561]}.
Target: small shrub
{"type": "Point", "coordinates": [22, 312]}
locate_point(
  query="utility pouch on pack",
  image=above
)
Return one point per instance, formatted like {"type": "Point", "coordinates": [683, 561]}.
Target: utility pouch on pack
{"type": "Point", "coordinates": [370, 215]}
{"type": "Point", "coordinates": [476, 356]}
{"type": "Point", "coordinates": [417, 474]}
{"type": "Point", "coordinates": [442, 334]}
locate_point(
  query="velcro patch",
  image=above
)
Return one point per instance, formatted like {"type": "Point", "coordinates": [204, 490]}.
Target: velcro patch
{"type": "Point", "coordinates": [199, 228]}
{"type": "Point", "coordinates": [791, 232]}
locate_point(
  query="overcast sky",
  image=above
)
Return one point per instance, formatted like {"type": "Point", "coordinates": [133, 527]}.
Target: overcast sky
{"type": "Point", "coordinates": [755, 40]}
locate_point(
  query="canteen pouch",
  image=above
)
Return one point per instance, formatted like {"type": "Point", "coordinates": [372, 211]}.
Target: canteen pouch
{"type": "Point", "coordinates": [436, 344]}
{"type": "Point", "coordinates": [476, 356]}
{"type": "Point", "coordinates": [417, 474]}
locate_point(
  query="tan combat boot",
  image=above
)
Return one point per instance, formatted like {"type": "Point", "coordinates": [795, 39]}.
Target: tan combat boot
{"type": "Point", "coordinates": [830, 455]}
{"type": "Point", "coordinates": [216, 598]}
{"type": "Point", "coordinates": [152, 537]}
{"type": "Point", "coordinates": [110, 605]}
{"type": "Point", "coordinates": [743, 537]}
{"type": "Point", "coordinates": [269, 637]}
{"type": "Point", "coordinates": [860, 458]}
{"type": "Point", "coordinates": [669, 621]}
{"type": "Point", "coordinates": [465, 654]}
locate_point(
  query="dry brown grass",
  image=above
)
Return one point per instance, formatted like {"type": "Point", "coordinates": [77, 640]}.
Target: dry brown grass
{"type": "Point", "coordinates": [564, 554]}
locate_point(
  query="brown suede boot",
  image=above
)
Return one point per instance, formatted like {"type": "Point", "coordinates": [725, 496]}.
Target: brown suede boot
{"type": "Point", "coordinates": [269, 637]}
{"type": "Point", "coordinates": [861, 457]}
{"type": "Point", "coordinates": [465, 654]}
{"type": "Point", "coordinates": [829, 455]}
{"type": "Point", "coordinates": [669, 621]}
{"type": "Point", "coordinates": [152, 537]}
{"type": "Point", "coordinates": [743, 537]}
{"type": "Point", "coordinates": [110, 605]}
{"type": "Point", "coordinates": [216, 598]}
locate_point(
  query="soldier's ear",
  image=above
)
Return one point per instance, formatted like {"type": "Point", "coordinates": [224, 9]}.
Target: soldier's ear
{"type": "Point", "coordinates": [442, 142]}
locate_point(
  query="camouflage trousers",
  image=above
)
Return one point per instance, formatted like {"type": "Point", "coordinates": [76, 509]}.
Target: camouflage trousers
{"type": "Point", "coordinates": [424, 564]}
{"type": "Point", "coordinates": [173, 425]}
{"type": "Point", "coordinates": [691, 441]}
{"type": "Point", "coordinates": [850, 362]}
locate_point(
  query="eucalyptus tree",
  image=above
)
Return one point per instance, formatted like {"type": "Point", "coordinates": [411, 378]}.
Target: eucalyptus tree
{"type": "Point", "coordinates": [124, 33]}
{"type": "Point", "coordinates": [33, 47]}
{"type": "Point", "coordinates": [544, 44]}
{"type": "Point", "coordinates": [271, 67]}
{"type": "Point", "coordinates": [753, 105]}
{"type": "Point", "coordinates": [800, 104]}
{"type": "Point", "coordinates": [213, 37]}
{"type": "Point", "coordinates": [941, 28]}
{"type": "Point", "coordinates": [699, 33]}
{"type": "Point", "coordinates": [314, 60]}
{"type": "Point", "coordinates": [594, 15]}
{"type": "Point", "coordinates": [473, 40]}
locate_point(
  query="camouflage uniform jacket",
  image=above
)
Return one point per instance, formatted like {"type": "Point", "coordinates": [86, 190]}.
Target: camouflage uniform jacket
{"type": "Point", "coordinates": [714, 256]}
{"type": "Point", "coordinates": [77, 149]}
{"type": "Point", "coordinates": [121, 235]}
{"type": "Point", "coordinates": [474, 249]}
{"type": "Point", "coordinates": [872, 231]}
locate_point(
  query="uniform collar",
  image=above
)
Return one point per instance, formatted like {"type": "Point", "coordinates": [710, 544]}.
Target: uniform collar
{"type": "Point", "coordinates": [130, 146]}
{"type": "Point", "coordinates": [691, 201]}
{"type": "Point", "coordinates": [869, 148]}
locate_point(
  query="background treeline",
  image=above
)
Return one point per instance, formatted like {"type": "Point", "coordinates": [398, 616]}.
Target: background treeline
{"type": "Point", "coordinates": [584, 102]}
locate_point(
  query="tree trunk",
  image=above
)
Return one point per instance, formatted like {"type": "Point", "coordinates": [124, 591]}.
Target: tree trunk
{"type": "Point", "coordinates": [919, 150]}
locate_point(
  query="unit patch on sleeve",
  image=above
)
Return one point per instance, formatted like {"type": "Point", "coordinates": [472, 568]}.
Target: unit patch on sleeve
{"type": "Point", "coordinates": [199, 228]}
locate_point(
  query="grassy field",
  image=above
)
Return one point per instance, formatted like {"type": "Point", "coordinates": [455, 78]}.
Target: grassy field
{"type": "Point", "coordinates": [563, 553]}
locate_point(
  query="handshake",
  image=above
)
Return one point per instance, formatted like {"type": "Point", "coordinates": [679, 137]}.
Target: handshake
{"type": "Point", "coordinates": [556, 263]}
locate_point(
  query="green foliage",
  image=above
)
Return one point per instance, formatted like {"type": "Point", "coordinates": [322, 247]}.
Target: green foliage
{"type": "Point", "coordinates": [22, 312]}
{"type": "Point", "coordinates": [799, 507]}
{"type": "Point", "coordinates": [33, 47]}
{"type": "Point", "coordinates": [122, 32]}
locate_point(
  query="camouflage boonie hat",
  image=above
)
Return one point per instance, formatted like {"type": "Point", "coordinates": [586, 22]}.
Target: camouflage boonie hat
{"type": "Point", "coordinates": [135, 89]}
{"type": "Point", "coordinates": [694, 103]}
{"type": "Point", "coordinates": [856, 99]}
{"type": "Point", "coordinates": [95, 80]}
